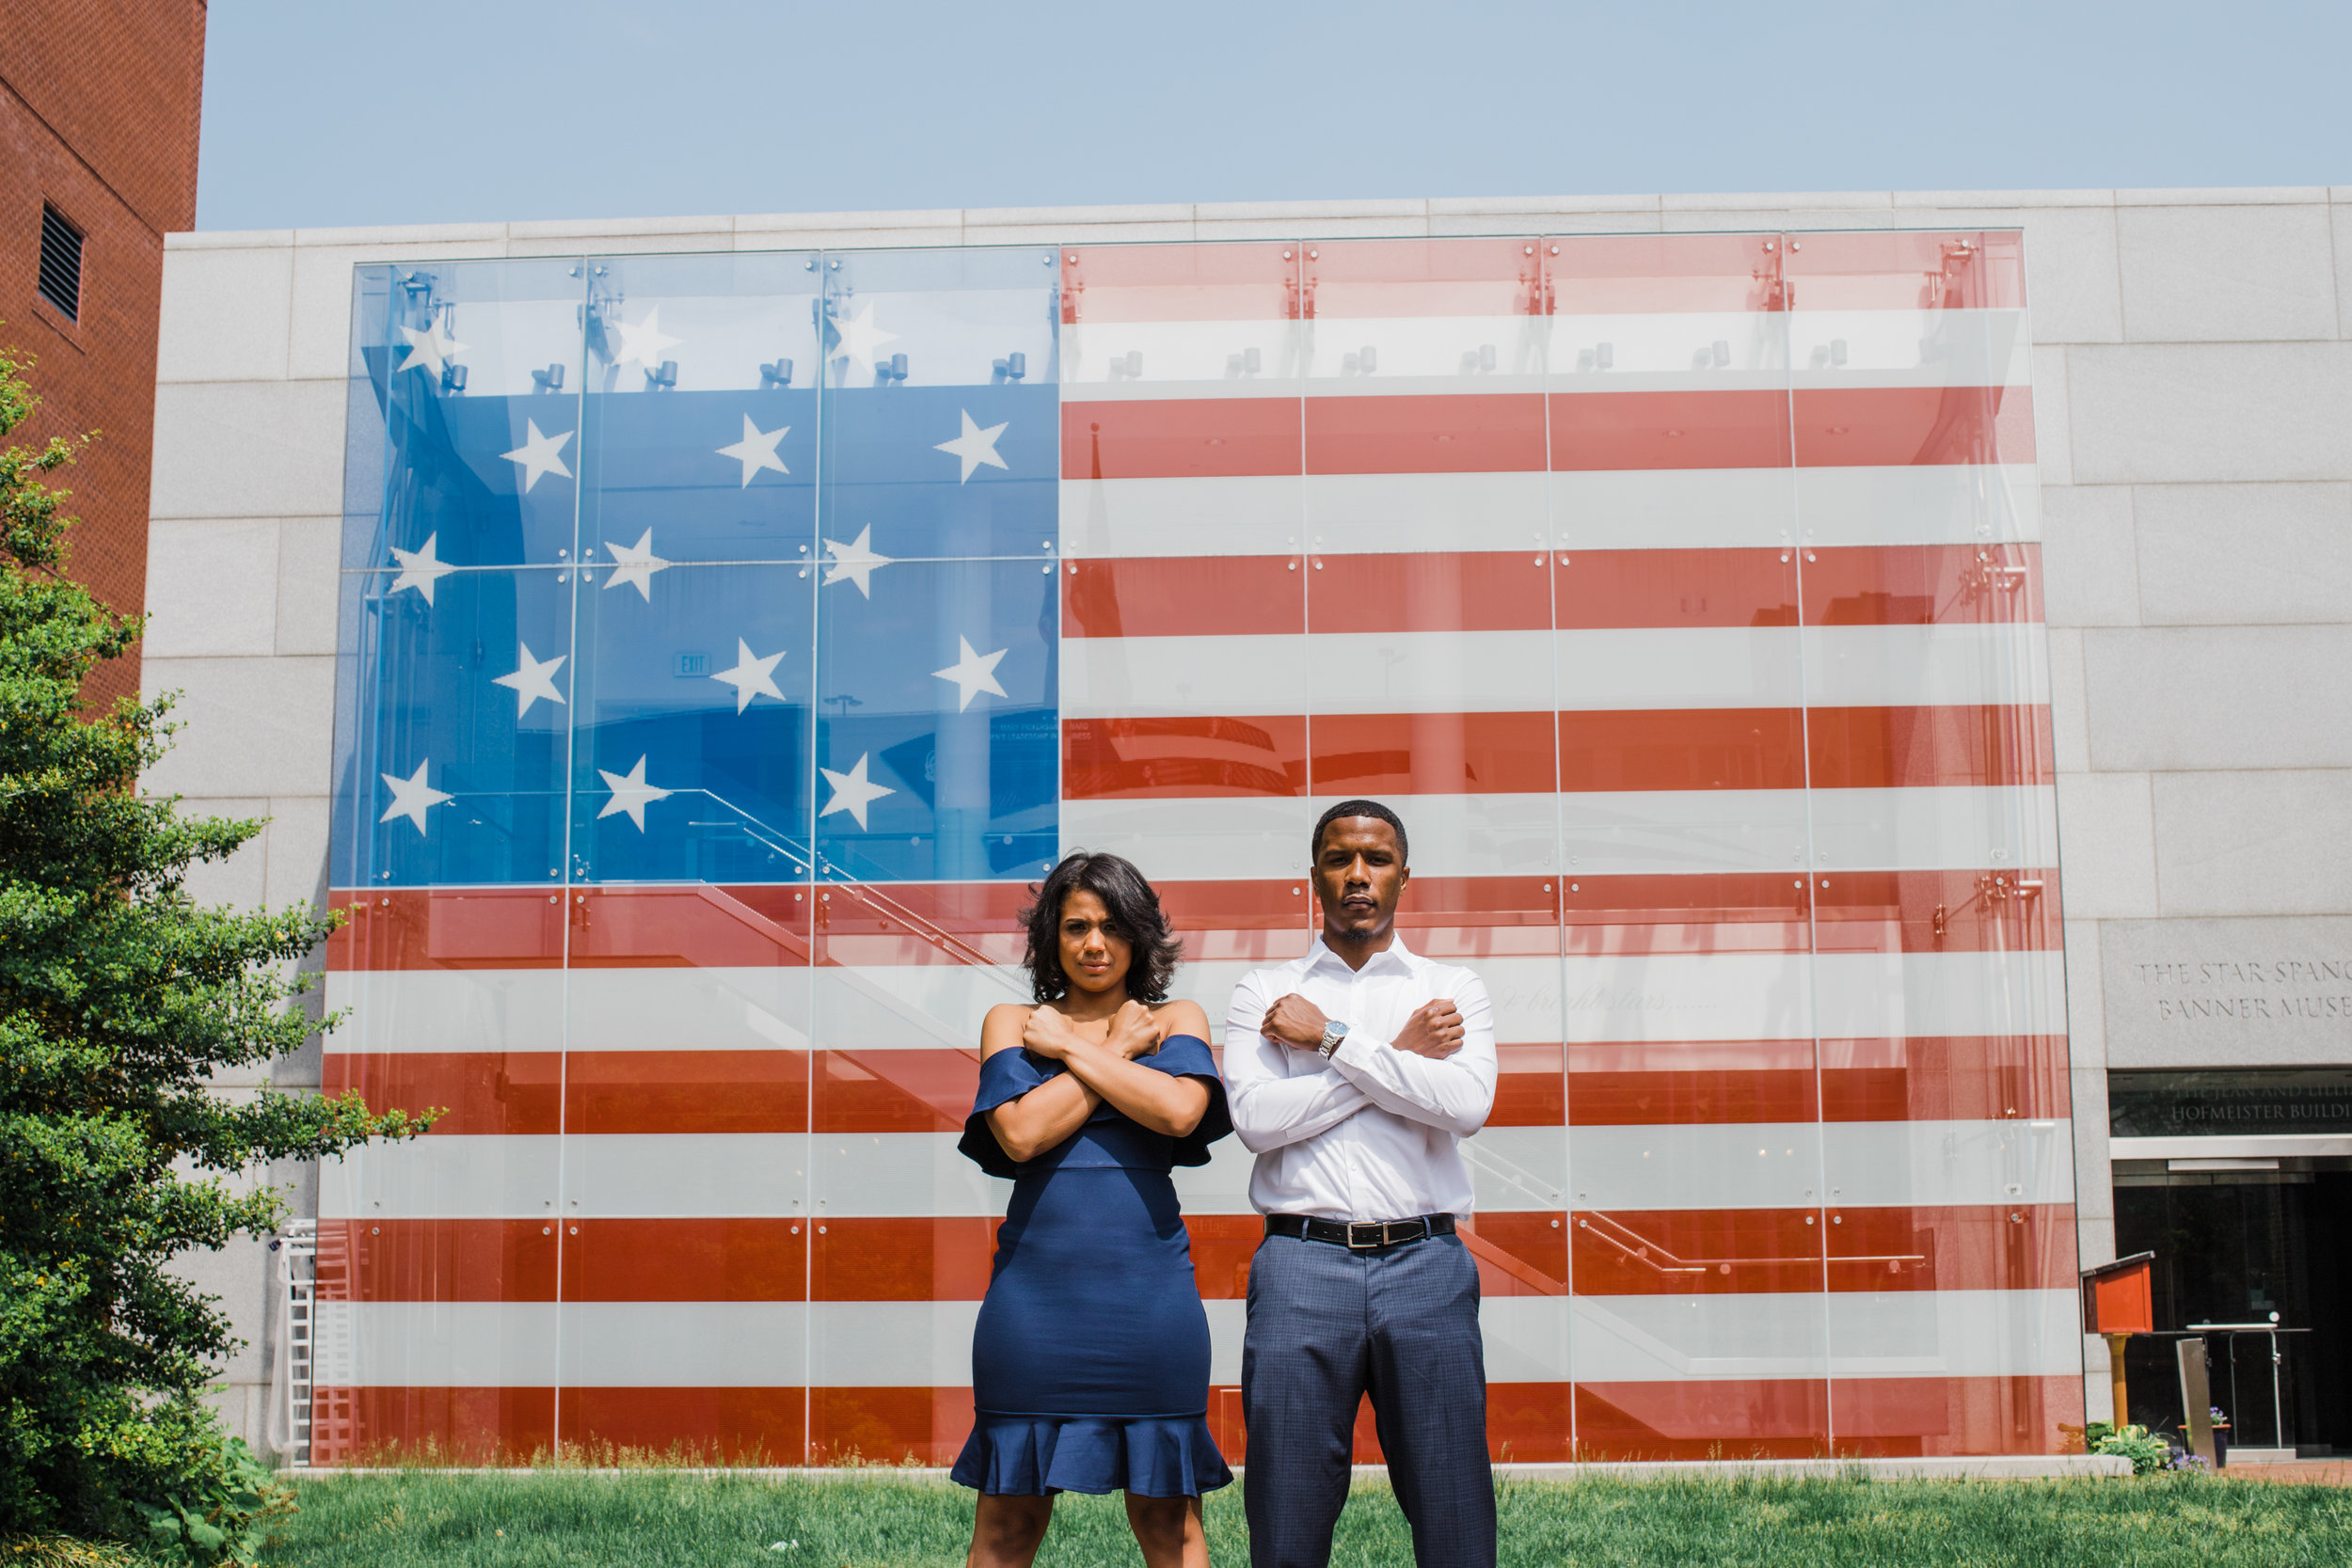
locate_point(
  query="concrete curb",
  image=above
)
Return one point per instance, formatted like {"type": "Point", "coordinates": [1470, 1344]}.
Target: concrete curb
{"type": "Point", "coordinates": [1979, 1467]}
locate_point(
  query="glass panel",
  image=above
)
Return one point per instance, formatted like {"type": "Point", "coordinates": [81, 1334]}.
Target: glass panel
{"type": "Point", "coordinates": [1182, 683]}
{"type": "Point", "coordinates": [692, 754]}
{"type": "Point", "coordinates": [456, 752]}
{"type": "Point", "coordinates": [1430, 686]}
{"type": "Point", "coordinates": [438, 1259]}
{"type": "Point", "coordinates": [1954, 1316]}
{"type": "Point", "coordinates": [1694, 1151]}
{"type": "Point", "coordinates": [938, 749]}
{"type": "Point", "coordinates": [701, 413]}
{"type": "Point", "coordinates": [477, 370]}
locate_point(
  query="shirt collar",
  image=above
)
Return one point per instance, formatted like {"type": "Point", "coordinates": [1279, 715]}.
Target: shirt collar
{"type": "Point", "coordinates": [1396, 958]}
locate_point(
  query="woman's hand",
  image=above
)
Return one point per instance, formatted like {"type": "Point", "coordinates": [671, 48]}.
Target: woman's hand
{"type": "Point", "coordinates": [1050, 1035]}
{"type": "Point", "coordinates": [1134, 1031]}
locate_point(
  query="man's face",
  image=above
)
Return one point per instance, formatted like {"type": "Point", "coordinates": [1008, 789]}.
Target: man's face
{"type": "Point", "coordinates": [1358, 875]}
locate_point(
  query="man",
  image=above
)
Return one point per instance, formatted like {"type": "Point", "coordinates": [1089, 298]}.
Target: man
{"type": "Point", "coordinates": [1351, 1074]}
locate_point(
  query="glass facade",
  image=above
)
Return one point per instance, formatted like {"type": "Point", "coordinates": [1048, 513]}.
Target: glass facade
{"type": "Point", "coordinates": [728, 642]}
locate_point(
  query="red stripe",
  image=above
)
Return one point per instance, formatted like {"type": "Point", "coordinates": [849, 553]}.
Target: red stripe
{"type": "Point", "coordinates": [1757, 1251]}
{"type": "Point", "coordinates": [1432, 754]}
{"type": "Point", "coordinates": [1249, 280]}
{"type": "Point", "coordinates": [1590, 431]}
{"type": "Point", "coordinates": [1906, 426]}
{"type": "Point", "coordinates": [508, 1093]}
{"type": "Point", "coordinates": [1725, 429]}
{"type": "Point", "coordinates": [1634, 275]}
{"type": "Point", "coordinates": [1927, 1078]}
{"type": "Point", "coordinates": [1368, 279]}
{"type": "Point", "coordinates": [1922, 270]}
{"type": "Point", "coordinates": [1202, 596]}
{"type": "Point", "coordinates": [1639, 589]}
{"type": "Point", "coordinates": [1886, 748]}
{"type": "Point", "coordinates": [1702, 1418]}
{"type": "Point", "coordinates": [1907, 1416]}
{"type": "Point", "coordinates": [1882, 585]}
{"type": "Point", "coordinates": [447, 928]}
{"type": "Point", "coordinates": [1437, 591]}
{"type": "Point", "coordinates": [1183, 758]}
{"type": "Point", "coordinates": [437, 1259]}
{"type": "Point", "coordinates": [1181, 439]}
{"type": "Point", "coordinates": [441, 1426]}
{"type": "Point", "coordinates": [730, 1426]}
{"type": "Point", "coordinates": [1455, 432]}
{"type": "Point", "coordinates": [1636, 749]}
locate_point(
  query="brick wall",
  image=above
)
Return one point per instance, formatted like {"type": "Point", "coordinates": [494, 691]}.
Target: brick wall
{"type": "Point", "coordinates": [99, 104]}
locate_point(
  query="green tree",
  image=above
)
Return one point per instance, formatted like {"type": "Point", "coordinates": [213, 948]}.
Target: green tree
{"type": "Point", "coordinates": [119, 997]}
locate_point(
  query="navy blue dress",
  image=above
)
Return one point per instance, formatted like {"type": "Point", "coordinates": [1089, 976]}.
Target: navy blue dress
{"type": "Point", "coordinates": [1090, 1361]}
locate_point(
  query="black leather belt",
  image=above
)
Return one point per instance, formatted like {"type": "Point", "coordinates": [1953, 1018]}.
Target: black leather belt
{"type": "Point", "coordinates": [1361, 1235]}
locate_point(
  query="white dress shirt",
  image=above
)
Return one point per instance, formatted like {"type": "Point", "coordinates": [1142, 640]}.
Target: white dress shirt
{"type": "Point", "coordinates": [1371, 1135]}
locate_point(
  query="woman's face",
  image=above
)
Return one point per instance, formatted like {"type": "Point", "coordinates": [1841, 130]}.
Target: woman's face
{"type": "Point", "coordinates": [1093, 953]}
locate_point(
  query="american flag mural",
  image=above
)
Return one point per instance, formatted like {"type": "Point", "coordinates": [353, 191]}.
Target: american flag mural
{"type": "Point", "coordinates": [728, 640]}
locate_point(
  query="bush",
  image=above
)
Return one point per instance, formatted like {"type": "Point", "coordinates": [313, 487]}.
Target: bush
{"type": "Point", "coordinates": [120, 998]}
{"type": "Point", "coordinates": [2147, 1451]}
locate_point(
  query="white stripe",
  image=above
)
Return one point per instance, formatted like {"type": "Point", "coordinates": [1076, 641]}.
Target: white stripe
{"type": "Point", "coordinates": [1630, 509]}
{"type": "Point", "coordinates": [1928, 1333]}
{"type": "Point", "coordinates": [921, 1175]}
{"type": "Point", "coordinates": [1909, 348]}
{"type": "Point", "coordinates": [1512, 671]}
{"type": "Point", "coordinates": [1779, 1164]}
{"type": "Point", "coordinates": [928, 1344]}
{"type": "Point", "coordinates": [1608, 831]}
{"type": "Point", "coordinates": [1123, 362]}
{"type": "Point", "coordinates": [447, 1009]}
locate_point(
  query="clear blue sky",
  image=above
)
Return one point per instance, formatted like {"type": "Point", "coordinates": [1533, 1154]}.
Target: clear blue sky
{"type": "Point", "coordinates": [321, 112]}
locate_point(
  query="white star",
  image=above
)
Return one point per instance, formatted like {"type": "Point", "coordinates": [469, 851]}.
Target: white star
{"type": "Point", "coordinates": [534, 680]}
{"type": "Point", "coordinates": [851, 791]}
{"type": "Point", "coordinates": [855, 561]}
{"type": "Point", "coordinates": [642, 342]}
{"type": "Point", "coordinates": [973, 673]}
{"type": "Point", "coordinates": [412, 797]}
{"type": "Point", "coordinates": [540, 454]}
{"type": "Point", "coordinates": [758, 449]}
{"type": "Point", "coordinates": [860, 337]}
{"type": "Point", "coordinates": [431, 350]}
{"type": "Point", "coordinates": [752, 676]}
{"type": "Point", "coordinates": [975, 446]}
{"type": "Point", "coordinates": [419, 569]}
{"type": "Point", "coordinates": [635, 565]}
{"type": "Point", "coordinates": [631, 794]}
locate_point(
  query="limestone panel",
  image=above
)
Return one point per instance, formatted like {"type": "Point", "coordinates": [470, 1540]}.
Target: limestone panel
{"type": "Point", "coordinates": [238, 881]}
{"type": "Point", "coordinates": [2053, 429]}
{"type": "Point", "coordinates": [224, 314]}
{"type": "Point", "coordinates": [2257, 993]}
{"type": "Point", "coordinates": [2227, 273]}
{"type": "Point", "coordinates": [2192, 413]}
{"type": "Point", "coordinates": [249, 448]}
{"type": "Point", "coordinates": [2198, 698]}
{"type": "Point", "coordinates": [211, 587]}
{"type": "Point", "coordinates": [309, 554]}
{"type": "Point", "coordinates": [2243, 554]}
{"type": "Point", "coordinates": [2088, 574]}
{"type": "Point", "coordinates": [2069, 723]}
{"type": "Point", "coordinates": [249, 726]}
{"type": "Point", "coordinates": [2262, 842]}
{"type": "Point", "coordinates": [2106, 846]}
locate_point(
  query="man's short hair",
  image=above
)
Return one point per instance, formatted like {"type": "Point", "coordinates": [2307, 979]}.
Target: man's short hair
{"type": "Point", "coordinates": [1359, 808]}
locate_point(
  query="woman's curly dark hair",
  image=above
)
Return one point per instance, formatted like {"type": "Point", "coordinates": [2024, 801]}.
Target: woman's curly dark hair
{"type": "Point", "coordinates": [1134, 911]}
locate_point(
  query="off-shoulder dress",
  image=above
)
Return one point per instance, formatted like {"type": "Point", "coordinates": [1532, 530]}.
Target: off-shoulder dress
{"type": "Point", "coordinates": [1090, 1359]}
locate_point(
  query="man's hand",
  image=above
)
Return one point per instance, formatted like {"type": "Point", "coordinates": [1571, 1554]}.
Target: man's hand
{"type": "Point", "coordinates": [1296, 1022]}
{"type": "Point", "coordinates": [1434, 1030]}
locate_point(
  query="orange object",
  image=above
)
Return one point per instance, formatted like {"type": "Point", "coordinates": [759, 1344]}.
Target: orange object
{"type": "Point", "coordinates": [2118, 1297]}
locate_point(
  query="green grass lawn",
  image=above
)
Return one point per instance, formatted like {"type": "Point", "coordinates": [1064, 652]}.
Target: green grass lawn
{"type": "Point", "coordinates": [653, 1519]}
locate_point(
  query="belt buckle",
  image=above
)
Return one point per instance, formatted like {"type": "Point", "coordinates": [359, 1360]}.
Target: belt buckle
{"type": "Point", "coordinates": [1379, 1233]}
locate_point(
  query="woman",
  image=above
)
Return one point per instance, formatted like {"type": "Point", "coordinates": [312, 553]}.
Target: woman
{"type": "Point", "coordinates": [1090, 1360]}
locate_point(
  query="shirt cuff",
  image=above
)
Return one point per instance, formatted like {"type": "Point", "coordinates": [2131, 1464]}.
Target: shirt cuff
{"type": "Point", "coordinates": [1355, 1049]}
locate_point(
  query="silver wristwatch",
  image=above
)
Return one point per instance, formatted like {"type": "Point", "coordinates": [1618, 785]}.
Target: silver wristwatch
{"type": "Point", "coordinates": [1333, 1032]}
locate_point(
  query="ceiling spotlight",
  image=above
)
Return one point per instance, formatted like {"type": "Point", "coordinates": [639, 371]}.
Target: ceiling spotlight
{"type": "Point", "coordinates": [664, 379]}
{"type": "Point", "coordinates": [550, 379]}
{"type": "Point", "coordinates": [1012, 367]}
{"type": "Point", "coordinates": [777, 375]}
